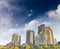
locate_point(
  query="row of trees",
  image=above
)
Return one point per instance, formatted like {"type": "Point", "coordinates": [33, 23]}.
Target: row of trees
{"type": "Point", "coordinates": [13, 47]}
{"type": "Point", "coordinates": [42, 47]}
{"type": "Point", "coordinates": [31, 47]}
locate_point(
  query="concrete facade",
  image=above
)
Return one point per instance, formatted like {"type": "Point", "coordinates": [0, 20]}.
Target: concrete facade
{"type": "Point", "coordinates": [30, 37]}
{"type": "Point", "coordinates": [16, 39]}
{"type": "Point", "coordinates": [45, 34]}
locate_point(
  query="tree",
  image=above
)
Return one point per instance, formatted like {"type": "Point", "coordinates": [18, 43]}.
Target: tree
{"type": "Point", "coordinates": [46, 47]}
{"type": "Point", "coordinates": [27, 47]}
{"type": "Point", "coordinates": [12, 47]}
{"type": "Point", "coordinates": [58, 46]}
{"type": "Point", "coordinates": [55, 47]}
{"type": "Point", "coordinates": [38, 47]}
{"type": "Point", "coordinates": [31, 47]}
{"type": "Point", "coordinates": [16, 47]}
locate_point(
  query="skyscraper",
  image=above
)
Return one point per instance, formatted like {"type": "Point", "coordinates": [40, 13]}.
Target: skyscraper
{"type": "Point", "coordinates": [39, 39]}
{"type": "Point", "coordinates": [45, 34]}
{"type": "Point", "coordinates": [30, 37]}
{"type": "Point", "coordinates": [41, 28]}
{"type": "Point", "coordinates": [16, 39]}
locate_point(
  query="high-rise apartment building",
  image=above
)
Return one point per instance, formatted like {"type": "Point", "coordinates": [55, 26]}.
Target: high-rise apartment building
{"type": "Point", "coordinates": [30, 37]}
{"type": "Point", "coordinates": [16, 39]}
{"type": "Point", "coordinates": [45, 35]}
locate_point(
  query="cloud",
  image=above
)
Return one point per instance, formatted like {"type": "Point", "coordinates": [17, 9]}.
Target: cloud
{"type": "Point", "coordinates": [54, 18]}
{"type": "Point", "coordinates": [7, 12]}
{"type": "Point", "coordinates": [46, 23]}
{"type": "Point", "coordinates": [3, 2]}
{"type": "Point", "coordinates": [54, 14]}
{"type": "Point", "coordinates": [32, 25]}
{"type": "Point", "coordinates": [5, 18]}
{"type": "Point", "coordinates": [30, 13]}
{"type": "Point", "coordinates": [6, 36]}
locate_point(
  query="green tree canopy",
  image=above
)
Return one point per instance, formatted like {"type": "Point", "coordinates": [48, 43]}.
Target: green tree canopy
{"type": "Point", "coordinates": [38, 47]}
{"type": "Point", "coordinates": [27, 47]}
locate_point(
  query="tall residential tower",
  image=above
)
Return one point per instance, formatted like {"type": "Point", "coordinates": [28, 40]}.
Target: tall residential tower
{"type": "Point", "coordinates": [45, 35]}
{"type": "Point", "coordinates": [30, 37]}
{"type": "Point", "coordinates": [16, 39]}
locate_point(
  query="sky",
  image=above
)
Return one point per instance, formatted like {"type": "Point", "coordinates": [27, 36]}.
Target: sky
{"type": "Point", "coordinates": [18, 16]}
